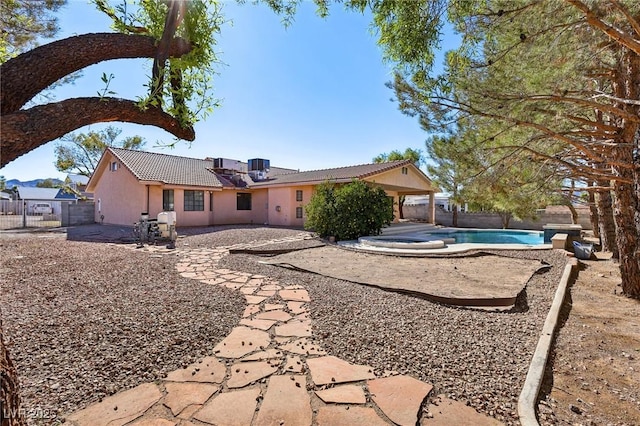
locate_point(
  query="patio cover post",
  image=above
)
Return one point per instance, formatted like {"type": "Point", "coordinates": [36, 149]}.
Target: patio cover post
{"type": "Point", "coordinates": [432, 207]}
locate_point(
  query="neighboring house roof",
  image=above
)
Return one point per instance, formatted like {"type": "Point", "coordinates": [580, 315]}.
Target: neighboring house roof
{"type": "Point", "coordinates": [5, 195]}
{"type": "Point", "coordinates": [169, 169]}
{"type": "Point", "coordinates": [31, 193]}
{"type": "Point", "coordinates": [340, 174]}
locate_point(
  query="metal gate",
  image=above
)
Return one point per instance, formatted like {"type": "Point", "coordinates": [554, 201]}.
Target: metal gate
{"type": "Point", "coordinates": [31, 213]}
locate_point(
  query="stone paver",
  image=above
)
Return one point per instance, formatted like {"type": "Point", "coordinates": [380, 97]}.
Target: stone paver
{"type": "Point", "coordinates": [120, 408]}
{"type": "Point", "coordinates": [181, 395]}
{"type": "Point", "coordinates": [286, 402]}
{"type": "Point", "coordinates": [294, 329]}
{"type": "Point", "coordinates": [254, 300]}
{"type": "Point", "coordinates": [332, 415]}
{"type": "Point", "coordinates": [210, 370]}
{"type": "Point", "coordinates": [242, 341]}
{"type": "Point", "coordinates": [276, 315]}
{"type": "Point", "coordinates": [399, 397]}
{"type": "Point", "coordinates": [258, 378]}
{"type": "Point", "coordinates": [296, 307]}
{"type": "Point", "coordinates": [294, 365]}
{"type": "Point", "coordinates": [261, 324]}
{"type": "Point", "coordinates": [302, 347]}
{"type": "Point", "coordinates": [346, 394]}
{"type": "Point", "coordinates": [231, 408]}
{"type": "Point", "coordinates": [270, 353]}
{"type": "Point", "coordinates": [297, 295]}
{"type": "Point", "coordinates": [246, 372]}
{"type": "Point", "coordinates": [329, 369]}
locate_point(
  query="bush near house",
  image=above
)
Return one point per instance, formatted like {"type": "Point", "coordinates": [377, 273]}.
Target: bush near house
{"type": "Point", "coordinates": [348, 211]}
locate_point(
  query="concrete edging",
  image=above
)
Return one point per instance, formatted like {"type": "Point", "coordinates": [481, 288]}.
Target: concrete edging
{"type": "Point", "coordinates": [533, 382]}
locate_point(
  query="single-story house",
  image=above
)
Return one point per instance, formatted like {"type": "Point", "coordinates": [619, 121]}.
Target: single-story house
{"type": "Point", "coordinates": [51, 196]}
{"type": "Point", "coordinates": [219, 191]}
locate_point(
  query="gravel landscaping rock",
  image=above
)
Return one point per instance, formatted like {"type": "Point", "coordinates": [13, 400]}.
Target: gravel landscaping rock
{"type": "Point", "coordinates": [84, 320]}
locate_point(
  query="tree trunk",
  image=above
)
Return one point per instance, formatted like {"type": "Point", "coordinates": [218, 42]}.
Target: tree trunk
{"type": "Point", "coordinates": [455, 216]}
{"type": "Point", "coordinates": [400, 206]}
{"type": "Point", "coordinates": [626, 203]}
{"type": "Point", "coordinates": [574, 213]}
{"type": "Point", "coordinates": [10, 413]}
{"type": "Point", "coordinates": [607, 225]}
{"type": "Point", "coordinates": [593, 215]}
{"type": "Point", "coordinates": [505, 218]}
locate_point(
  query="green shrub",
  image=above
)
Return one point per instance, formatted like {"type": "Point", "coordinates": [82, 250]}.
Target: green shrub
{"type": "Point", "coordinates": [348, 211]}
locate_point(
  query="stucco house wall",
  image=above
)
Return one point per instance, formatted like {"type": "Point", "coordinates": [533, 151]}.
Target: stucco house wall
{"type": "Point", "coordinates": [283, 205]}
{"type": "Point", "coordinates": [114, 187]}
{"type": "Point", "coordinates": [225, 208]}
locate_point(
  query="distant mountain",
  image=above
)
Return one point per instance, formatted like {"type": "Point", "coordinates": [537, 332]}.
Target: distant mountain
{"type": "Point", "coordinates": [30, 183]}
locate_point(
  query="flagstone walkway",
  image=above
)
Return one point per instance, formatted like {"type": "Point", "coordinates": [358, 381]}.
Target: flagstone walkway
{"type": "Point", "coordinates": [270, 371]}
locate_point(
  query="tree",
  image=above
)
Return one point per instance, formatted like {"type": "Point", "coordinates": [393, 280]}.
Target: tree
{"type": "Point", "coordinates": [348, 211]}
{"type": "Point", "coordinates": [409, 154]}
{"type": "Point", "coordinates": [23, 22]}
{"type": "Point", "coordinates": [3, 183]}
{"type": "Point", "coordinates": [178, 35]}
{"type": "Point", "coordinates": [447, 167]}
{"type": "Point", "coordinates": [47, 183]}
{"type": "Point", "coordinates": [80, 153]}
{"type": "Point", "coordinates": [565, 94]}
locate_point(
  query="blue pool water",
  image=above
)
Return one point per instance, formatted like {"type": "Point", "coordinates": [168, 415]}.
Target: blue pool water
{"type": "Point", "coordinates": [502, 236]}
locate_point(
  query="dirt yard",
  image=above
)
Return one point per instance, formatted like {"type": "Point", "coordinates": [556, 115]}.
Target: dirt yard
{"type": "Point", "coordinates": [596, 359]}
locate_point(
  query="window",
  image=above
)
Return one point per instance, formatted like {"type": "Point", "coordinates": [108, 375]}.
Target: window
{"type": "Point", "coordinates": [210, 201]}
{"type": "Point", "coordinates": [244, 201]}
{"type": "Point", "coordinates": [298, 212]}
{"type": "Point", "coordinates": [298, 195]}
{"type": "Point", "coordinates": [113, 166]}
{"type": "Point", "coordinates": [405, 170]}
{"type": "Point", "coordinates": [193, 201]}
{"type": "Point", "coordinates": [167, 200]}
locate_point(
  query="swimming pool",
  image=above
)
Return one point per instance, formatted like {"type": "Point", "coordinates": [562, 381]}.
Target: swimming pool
{"type": "Point", "coordinates": [491, 236]}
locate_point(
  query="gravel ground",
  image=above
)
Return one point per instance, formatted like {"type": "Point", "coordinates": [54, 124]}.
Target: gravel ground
{"type": "Point", "coordinates": [469, 355]}
{"type": "Point", "coordinates": [92, 319]}
{"type": "Point", "coordinates": [85, 320]}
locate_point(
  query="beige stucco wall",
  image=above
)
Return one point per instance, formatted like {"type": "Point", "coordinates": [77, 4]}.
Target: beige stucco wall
{"type": "Point", "coordinates": [285, 199]}
{"type": "Point", "coordinates": [225, 210]}
{"type": "Point", "coordinates": [118, 195]}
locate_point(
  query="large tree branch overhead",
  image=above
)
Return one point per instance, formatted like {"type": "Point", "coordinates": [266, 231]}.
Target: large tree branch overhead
{"type": "Point", "coordinates": [25, 130]}
{"type": "Point", "coordinates": [26, 75]}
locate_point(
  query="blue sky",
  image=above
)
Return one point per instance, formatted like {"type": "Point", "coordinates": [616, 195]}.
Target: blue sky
{"type": "Point", "coordinates": [310, 96]}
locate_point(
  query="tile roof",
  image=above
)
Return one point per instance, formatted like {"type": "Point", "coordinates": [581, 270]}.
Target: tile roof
{"type": "Point", "coordinates": [169, 169]}
{"type": "Point", "coordinates": [337, 174]}
{"type": "Point", "coordinates": [174, 170]}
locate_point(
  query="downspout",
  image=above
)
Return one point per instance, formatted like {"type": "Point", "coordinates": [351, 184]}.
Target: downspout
{"type": "Point", "coordinates": [147, 199]}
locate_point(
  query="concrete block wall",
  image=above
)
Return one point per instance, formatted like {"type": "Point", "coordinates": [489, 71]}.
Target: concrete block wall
{"type": "Point", "coordinates": [492, 220]}
{"type": "Point", "coordinates": [78, 214]}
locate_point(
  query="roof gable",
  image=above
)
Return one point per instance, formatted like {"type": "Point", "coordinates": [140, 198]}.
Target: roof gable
{"type": "Point", "coordinates": [27, 193]}
{"type": "Point", "coordinates": [168, 169]}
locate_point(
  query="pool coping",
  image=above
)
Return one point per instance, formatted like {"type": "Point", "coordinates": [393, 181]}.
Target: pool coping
{"type": "Point", "coordinates": [420, 233]}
